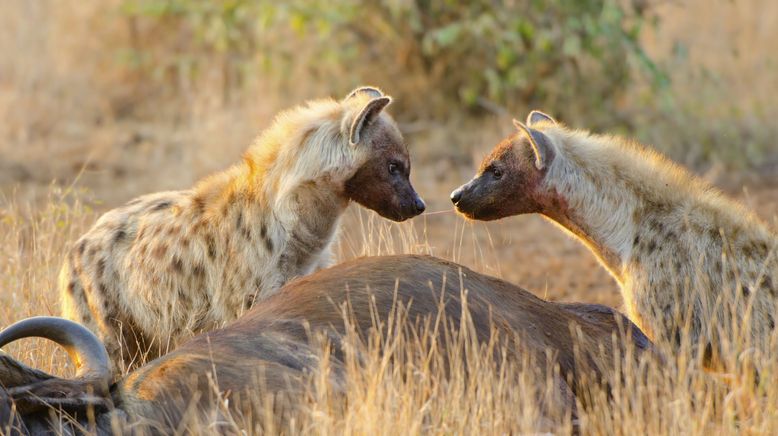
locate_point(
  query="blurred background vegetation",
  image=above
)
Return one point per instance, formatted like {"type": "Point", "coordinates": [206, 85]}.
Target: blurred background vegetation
{"type": "Point", "coordinates": [472, 56]}
{"type": "Point", "coordinates": [115, 92]}
{"type": "Point", "coordinates": [110, 99]}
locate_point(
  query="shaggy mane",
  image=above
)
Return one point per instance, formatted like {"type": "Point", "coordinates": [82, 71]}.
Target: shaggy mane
{"type": "Point", "coordinates": [613, 158]}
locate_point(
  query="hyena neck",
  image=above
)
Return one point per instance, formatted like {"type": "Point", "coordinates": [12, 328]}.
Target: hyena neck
{"type": "Point", "coordinates": [292, 228]}
{"type": "Point", "coordinates": [305, 207]}
{"type": "Point", "coordinates": [601, 218]}
{"type": "Point", "coordinates": [307, 221]}
{"type": "Point", "coordinates": [303, 215]}
{"type": "Point", "coordinates": [286, 195]}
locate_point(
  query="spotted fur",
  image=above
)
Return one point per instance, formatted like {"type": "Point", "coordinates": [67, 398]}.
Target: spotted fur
{"type": "Point", "coordinates": [170, 264]}
{"type": "Point", "coordinates": [686, 258]}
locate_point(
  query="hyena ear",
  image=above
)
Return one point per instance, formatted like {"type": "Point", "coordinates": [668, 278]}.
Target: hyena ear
{"type": "Point", "coordinates": [538, 116]}
{"type": "Point", "coordinates": [540, 143]}
{"type": "Point", "coordinates": [369, 90]}
{"type": "Point", "coordinates": [366, 116]}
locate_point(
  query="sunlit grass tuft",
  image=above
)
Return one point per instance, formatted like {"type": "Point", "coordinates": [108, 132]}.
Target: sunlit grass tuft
{"type": "Point", "coordinates": [402, 382]}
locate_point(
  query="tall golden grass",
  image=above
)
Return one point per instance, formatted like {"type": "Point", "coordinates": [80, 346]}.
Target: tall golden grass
{"type": "Point", "coordinates": [400, 382]}
{"type": "Point", "coordinates": [71, 110]}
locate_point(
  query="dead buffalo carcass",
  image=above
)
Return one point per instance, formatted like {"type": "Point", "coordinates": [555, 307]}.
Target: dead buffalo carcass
{"type": "Point", "coordinates": [270, 349]}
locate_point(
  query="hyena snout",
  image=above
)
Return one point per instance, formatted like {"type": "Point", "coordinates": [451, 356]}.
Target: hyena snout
{"type": "Point", "coordinates": [462, 195]}
{"type": "Point", "coordinates": [417, 205]}
{"type": "Point", "coordinates": [476, 200]}
{"type": "Point", "coordinates": [409, 205]}
{"type": "Point", "coordinates": [456, 195]}
{"type": "Point", "coordinates": [420, 206]}
{"type": "Point", "coordinates": [390, 194]}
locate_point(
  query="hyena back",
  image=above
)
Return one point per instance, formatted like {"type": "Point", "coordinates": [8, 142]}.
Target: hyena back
{"type": "Point", "coordinates": [686, 258]}
{"type": "Point", "coordinates": [170, 264]}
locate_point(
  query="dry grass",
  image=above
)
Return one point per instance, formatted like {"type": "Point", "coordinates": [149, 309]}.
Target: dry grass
{"type": "Point", "coordinates": [401, 382]}
{"type": "Point", "coordinates": [74, 114]}
{"type": "Point", "coordinates": [720, 104]}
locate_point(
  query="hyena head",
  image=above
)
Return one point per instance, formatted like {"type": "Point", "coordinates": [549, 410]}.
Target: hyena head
{"type": "Point", "coordinates": [510, 179]}
{"type": "Point", "coordinates": [381, 181]}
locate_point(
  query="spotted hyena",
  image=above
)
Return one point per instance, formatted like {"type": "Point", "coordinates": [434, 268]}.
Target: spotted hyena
{"type": "Point", "coordinates": [167, 265]}
{"type": "Point", "coordinates": [685, 257]}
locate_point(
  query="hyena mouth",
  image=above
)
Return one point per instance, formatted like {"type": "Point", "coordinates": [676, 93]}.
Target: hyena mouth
{"type": "Point", "coordinates": [417, 208]}
{"type": "Point", "coordinates": [406, 210]}
{"type": "Point", "coordinates": [460, 203]}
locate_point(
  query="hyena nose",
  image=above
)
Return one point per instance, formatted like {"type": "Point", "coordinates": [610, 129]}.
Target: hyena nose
{"type": "Point", "coordinates": [456, 195]}
{"type": "Point", "coordinates": [420, 206]}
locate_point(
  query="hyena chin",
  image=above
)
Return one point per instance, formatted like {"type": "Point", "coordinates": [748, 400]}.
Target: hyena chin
{"type": "Point", "coordinates": [170, 264]}
{"type": "Point", "coordinates": [690, 263]}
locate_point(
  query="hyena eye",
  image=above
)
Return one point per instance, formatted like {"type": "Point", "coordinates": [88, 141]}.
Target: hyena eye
{"type": "Point", "coordinates": [394, 168]}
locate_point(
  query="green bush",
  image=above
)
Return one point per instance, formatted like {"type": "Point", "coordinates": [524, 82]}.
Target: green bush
{"type": "Point", "coordinates": [439, 56]}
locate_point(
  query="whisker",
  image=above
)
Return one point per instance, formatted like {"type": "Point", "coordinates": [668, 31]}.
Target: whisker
{"type": "Point", "coordinates": [438, 212]}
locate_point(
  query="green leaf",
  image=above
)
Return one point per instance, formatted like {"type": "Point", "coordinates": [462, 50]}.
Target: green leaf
{"type": "Point", "coordinates": [447, 35]}
{"type": "Point", "coordinates": [572, 46]}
